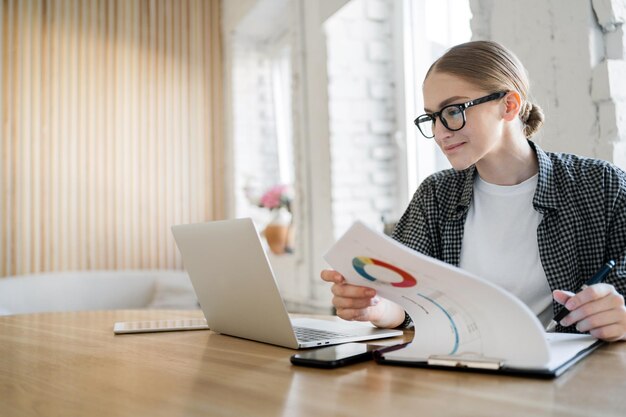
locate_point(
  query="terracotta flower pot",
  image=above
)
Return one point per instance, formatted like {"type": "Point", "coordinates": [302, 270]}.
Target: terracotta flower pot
{"type": "Point", "coordinates": [276, 236]}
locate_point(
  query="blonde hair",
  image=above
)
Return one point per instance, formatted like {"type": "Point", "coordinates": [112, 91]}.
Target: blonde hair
{"type": "Point", "coordinates": [492, 67]}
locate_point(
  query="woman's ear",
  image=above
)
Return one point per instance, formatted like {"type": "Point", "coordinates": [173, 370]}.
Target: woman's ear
{"type": "Point", "coordinates": [513, 105]}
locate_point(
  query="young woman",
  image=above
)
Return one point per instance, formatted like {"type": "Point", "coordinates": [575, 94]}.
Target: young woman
{"type": "Point", "coordinates": [538, 224]}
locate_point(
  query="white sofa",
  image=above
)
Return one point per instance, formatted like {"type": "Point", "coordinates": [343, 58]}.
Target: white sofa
{"type": "Point", "coordinates": [96, 290]}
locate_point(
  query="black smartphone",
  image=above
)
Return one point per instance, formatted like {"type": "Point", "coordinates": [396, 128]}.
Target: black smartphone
{"type": "Point", "coordinates": [335, 356]}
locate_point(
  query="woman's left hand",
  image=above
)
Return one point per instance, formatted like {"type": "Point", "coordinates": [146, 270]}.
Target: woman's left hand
{"type": "Point", "coordinates": [598, 309]}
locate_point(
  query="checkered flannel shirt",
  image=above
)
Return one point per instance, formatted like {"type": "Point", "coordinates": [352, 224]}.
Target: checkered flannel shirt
{"type": "Point", "coordinates": [583, 202]}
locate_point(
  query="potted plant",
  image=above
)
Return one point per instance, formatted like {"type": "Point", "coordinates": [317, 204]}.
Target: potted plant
{"type": "Point", "coordinates": [278, 200]}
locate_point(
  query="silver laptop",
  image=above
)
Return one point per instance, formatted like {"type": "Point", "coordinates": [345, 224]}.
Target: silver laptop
{"type": "Point", "coordinates": [239, 295]}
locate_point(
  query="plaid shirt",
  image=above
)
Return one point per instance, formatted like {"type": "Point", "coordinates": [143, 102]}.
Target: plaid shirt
{"type": "Point", "coordinates": [583, 202]}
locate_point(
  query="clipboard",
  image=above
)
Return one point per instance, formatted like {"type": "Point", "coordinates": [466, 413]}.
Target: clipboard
{"type": "Point", "coordinates": [473, 363]}
{"type": "Point", "coordinates": [463, 322]}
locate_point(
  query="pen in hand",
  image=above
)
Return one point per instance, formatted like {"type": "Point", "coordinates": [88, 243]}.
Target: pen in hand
{"type": "Point", "coordinates": [597, 278]}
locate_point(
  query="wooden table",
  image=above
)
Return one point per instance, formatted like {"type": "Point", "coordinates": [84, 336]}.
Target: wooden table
{"type": "Point", "coordinates": [71, 364]}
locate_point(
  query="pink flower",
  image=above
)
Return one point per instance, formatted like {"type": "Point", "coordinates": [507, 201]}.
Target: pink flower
{"type": "Point", "coordinates": [276, 197]}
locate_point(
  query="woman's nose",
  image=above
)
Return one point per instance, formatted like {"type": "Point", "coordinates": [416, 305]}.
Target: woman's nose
{"type": "Point", "coordinates": [440, 131]}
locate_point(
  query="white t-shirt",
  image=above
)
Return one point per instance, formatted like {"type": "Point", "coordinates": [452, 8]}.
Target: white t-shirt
{"type": "Point", "coordinates": [500, 242]}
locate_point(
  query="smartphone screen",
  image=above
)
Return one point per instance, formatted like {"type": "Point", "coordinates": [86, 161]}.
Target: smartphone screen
{"type": "Point", "coordinates": [335, 356]}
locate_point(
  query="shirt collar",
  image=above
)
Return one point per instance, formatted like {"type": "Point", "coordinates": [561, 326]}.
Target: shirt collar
{"type": "Point", "coordinates": [468, 186]}
{"type": "Point", "coordinates": [545, 198]}
{"type": "Point", "coordinates": [466, 192]}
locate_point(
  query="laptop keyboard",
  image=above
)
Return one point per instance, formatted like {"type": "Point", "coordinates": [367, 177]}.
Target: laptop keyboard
{"type": "Point", "coordinates": [305, 334]}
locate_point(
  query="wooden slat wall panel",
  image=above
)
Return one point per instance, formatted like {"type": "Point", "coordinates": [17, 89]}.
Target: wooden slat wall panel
{"type": "Point", "coordinates": [111, 131]}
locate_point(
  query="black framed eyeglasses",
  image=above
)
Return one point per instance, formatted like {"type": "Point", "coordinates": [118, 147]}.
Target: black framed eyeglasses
{"type": "Point", "coordinates": [451, 116]}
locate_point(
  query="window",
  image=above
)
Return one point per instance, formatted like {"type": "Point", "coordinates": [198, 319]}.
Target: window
{"type": "Point", "coordinates": [324, 98]}
{"type": "Point", "coordinates": [262, 121]}
{"type": "Point", "coordinates": [429, 28]}
{"type": "Point", "coordinates": [377, 56]}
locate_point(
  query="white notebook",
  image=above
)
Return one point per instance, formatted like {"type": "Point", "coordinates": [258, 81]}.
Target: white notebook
{"type": "Point", "coordinates": [461, 321]}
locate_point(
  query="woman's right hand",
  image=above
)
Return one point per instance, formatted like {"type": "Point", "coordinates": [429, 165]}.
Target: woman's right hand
{"type": "Point", "coordinates": [354, 302]}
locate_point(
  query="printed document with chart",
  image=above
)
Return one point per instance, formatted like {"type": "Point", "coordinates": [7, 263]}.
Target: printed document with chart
{"type": "Point", "coordinates": [460, 320]}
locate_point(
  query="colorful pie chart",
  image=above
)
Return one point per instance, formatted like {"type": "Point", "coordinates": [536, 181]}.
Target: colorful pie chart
{"type": "Point", "coordinates": [360, 263]}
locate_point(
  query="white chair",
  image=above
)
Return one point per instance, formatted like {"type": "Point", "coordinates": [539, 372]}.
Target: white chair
{"type": "Point", "coordinates": [96, 290]}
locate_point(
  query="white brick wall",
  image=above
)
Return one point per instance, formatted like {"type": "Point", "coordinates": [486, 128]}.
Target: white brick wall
{"type": "Point", "coordinates": [615, 45]}
{"type": "Point", "coordinates": [609, 81]}
{"type": "Point", "coordinates": [362, 114]}
{"type": "Point", "coordinates": [574, 54]}
{"type": "Point", "coordinates": [610, 13]}
{"type": "Point", "coordinates": [254, 135]}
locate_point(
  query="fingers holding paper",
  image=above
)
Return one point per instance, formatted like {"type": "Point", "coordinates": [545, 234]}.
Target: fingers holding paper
{"type": "Point", "coordinates": [598, 309]}
{"type": "Point", "coordinates": [351, 302]}
{"type": "Point", "coordinates": [354, 302]}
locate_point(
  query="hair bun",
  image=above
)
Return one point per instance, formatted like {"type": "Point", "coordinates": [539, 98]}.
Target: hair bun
{"type": "Point", "coordinates": [533, 119]}
{"type": "Point", "coordinates": [526, 112]}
